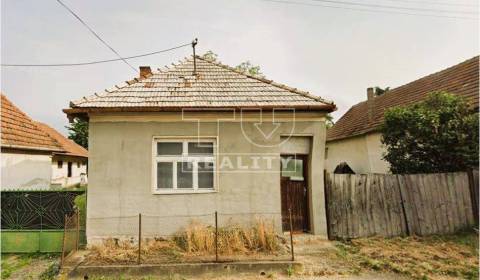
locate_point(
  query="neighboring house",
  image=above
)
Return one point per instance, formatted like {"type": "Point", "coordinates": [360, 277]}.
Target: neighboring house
{"type": "Point", "coordinates": [355, 137]}
{"type": "Point", "coordinates": [31, 153]}
{"type": "Point", "coordinates": [70, 166]}
{"type": "Point", "coordinates": [186, 141]}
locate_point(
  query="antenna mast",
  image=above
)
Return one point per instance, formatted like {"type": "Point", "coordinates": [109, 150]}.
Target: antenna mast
{"type": "Point", "coordinates": [194, 43]}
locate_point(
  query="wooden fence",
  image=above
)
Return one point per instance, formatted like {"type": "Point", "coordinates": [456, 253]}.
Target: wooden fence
{"type": "Point", "coordinates": [361, 205]}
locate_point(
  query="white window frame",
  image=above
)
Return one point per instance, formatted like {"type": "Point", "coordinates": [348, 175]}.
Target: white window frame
{"type": "Point", "coordinates": [174, 159]}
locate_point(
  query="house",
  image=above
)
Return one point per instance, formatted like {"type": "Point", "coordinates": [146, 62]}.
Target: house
{"type": "Point", "coordinates": [355, 137]}
{"type": "Point", "coordinates": [183, 142]}
{"type": "Point", "coordinates": [34, 155]}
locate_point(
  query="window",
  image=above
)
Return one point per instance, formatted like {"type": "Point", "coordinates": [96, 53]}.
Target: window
{"type": "Point", "coordinates": [184, 165]}
{"type": "Point", "coordinates": [59, 164]}
{"type": "Point", "coordinates": [293, 168]}
{"type": "Point", "coordinates": [78, 164]}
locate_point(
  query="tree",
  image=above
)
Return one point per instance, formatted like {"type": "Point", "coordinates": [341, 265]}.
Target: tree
{"type": "Point", "coordinates": [439, 134]}
{"type": "Point", "coordinates": [245, 67]}
{"type": "Point", "coordinates": [380, 91]}
{"type": "Point", "coordinates": [78, 132]}
{"type": "Point", "coordinates": [329, 121]}
{"type": "Point", "coordinates": [248, 68]}
{"type": "Point", "coordinates": [209, 55]}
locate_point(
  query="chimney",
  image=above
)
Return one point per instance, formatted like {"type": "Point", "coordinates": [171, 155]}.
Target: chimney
{"type": "Point", "coordinates": [145, 71]}
{"type": "Point", "coordinates": [370, 103]}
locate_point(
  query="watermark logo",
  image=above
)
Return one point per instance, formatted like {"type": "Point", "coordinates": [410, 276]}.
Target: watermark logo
{"type": "Point", "coordinates": [259, 131]}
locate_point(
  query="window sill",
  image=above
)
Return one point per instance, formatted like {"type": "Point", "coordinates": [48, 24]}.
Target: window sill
{"type": "Point", "coordinates": [184, 191]}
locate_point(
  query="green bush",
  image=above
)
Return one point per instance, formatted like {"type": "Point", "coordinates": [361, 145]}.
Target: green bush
{"type": "Point", "coordinates": [81, 204]}
{"type": "Point", "coordinates": [439, 134]}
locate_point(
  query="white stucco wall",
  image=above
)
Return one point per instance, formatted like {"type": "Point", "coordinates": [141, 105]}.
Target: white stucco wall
{"type": "Point", "coordinates": [362, 153]}
{"type": "Point", "coordinates": [60, 175]}
{"type": "Point", "coordinates": [25, 171]}
{"type": "Point", "coordinates": [120, 176]}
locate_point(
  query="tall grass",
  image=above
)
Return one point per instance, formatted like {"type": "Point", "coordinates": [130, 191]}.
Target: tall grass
{"type": "Point", "coordinates": [200, 238]}
{"type": "Point", "coordinates": [196, 239]}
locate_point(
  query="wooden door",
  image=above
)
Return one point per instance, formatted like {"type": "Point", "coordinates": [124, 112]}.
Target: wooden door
{"type": "Point", "coordinates": [294, 192]}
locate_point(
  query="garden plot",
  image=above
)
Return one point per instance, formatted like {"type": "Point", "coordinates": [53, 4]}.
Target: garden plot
{"type": "Point", "coordinates": [196, 243]}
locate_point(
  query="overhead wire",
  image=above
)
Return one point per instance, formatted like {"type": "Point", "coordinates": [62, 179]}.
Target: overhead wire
{"type": "Point", "coordinates": [94, 62]}
{"type": "Point", "coordinates": [368, 10]}
{"type": "Point", "coordinates": [414, 9]}
{"type": "Point", "coordinates": [434, 3]}
{"type": "Point", "coordinates": [95, 34]}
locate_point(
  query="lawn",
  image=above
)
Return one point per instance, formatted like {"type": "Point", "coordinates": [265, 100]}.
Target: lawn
{"type": "Point", "coordinates": [29, 266]}
{"type": "Point", "coordinates": [432, 257]}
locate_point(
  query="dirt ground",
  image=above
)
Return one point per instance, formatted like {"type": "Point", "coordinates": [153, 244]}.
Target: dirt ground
{"type": "Point", "coordinates": [29, 266]}
{"type": "Point", "coordinates": [434, 257]}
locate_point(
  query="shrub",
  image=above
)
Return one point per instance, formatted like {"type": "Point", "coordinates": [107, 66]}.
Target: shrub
{"type": "Point", "coordinates": [439, 134]}
{"type": "Point", "coordinates": [81, 204]}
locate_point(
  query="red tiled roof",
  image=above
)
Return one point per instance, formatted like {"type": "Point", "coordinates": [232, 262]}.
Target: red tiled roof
{"type": "Point", "coordinates": [71, 148]}
{"type": "Point", "coordinates": [461, 79]}
{"type": "Point", "coordinates": [20, 131]}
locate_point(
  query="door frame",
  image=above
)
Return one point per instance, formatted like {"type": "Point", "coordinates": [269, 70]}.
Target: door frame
{"type": "Point", "coordinates": [306, 176]}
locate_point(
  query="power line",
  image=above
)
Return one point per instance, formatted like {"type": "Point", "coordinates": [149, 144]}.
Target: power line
{"type": "Point", "coordinates": [434, 3]}
{"type": "Point", "coordinates": [366, 10]}
{"type": "Point", "coordinates": [95, 34]}
{"type": "Point", "coordinates": [97, 61]}
{"type": "Point", "coordinates": [393, 7]}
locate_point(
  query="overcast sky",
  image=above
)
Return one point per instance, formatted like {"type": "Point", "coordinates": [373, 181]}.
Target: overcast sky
{"type": "Point", "coordinates": [331, 52]}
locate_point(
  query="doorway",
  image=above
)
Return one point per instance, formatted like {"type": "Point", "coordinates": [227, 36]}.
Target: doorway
{"type": "Point", "coordinates": [294, 192]}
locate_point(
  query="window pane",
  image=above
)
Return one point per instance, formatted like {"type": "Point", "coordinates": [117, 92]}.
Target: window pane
{"type": "Point", "coordinates": [169, 149]}
{"type": "Point", "coordinates": [184, 175]}
{"type": "Point", "coordinates": [205, 175]}
{"type": "Point", "coordinates": [164, 175]}
{"type": "Point", "coordinates": [200, 148]}
{"type": "Point", "coordinates": [292, 168]}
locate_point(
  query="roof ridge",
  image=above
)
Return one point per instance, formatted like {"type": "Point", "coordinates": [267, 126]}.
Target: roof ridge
{"type": "Point", "coordinates": [268, 81]}
{"type": "Point", "coordinates": [454, 79]}
{"type": "Point", "coordinates": [391, 91]}
{"type": "Point", "coordinates": [163, 78]}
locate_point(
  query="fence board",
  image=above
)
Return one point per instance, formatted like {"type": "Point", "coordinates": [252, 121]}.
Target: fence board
{"type": "Point", "coordinates": [391, 205]}
{"type": "Point", "coordinates": [467, 202]}
{"type": "Point", "coordinates": [473, 184]}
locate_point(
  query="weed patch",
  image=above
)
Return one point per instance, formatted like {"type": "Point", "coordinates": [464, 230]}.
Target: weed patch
{"type": "Point", "coordinates": [418, 257]}
{"type": "Point", "coordinates": [194, 242]}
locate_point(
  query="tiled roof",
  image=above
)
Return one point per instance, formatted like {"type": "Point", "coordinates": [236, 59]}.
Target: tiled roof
{"type": "Point", "coordinates": [70, 148]}
{"type": "Point", "coordinates": [20, 131]}
{"type": "Point", "coordinates": [215, 86]}
{"type": "Point", "coordinates": [461, 79]}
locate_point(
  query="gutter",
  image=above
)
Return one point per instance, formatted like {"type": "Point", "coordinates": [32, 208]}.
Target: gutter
{"type": "Point", "coordinates": [31, 148]}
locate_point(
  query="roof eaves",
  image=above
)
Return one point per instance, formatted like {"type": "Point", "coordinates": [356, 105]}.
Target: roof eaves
{"type": "Point", "coordinates": [33, 148]}
{"type": "Point", "coordinates": [355, 134]}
